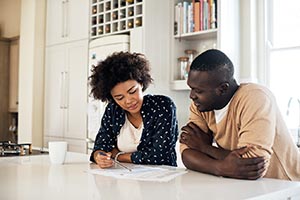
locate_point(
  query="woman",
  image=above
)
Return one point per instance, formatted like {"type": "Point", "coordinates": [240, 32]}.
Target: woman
{"type": "Point", "coordinates": [135, 128]}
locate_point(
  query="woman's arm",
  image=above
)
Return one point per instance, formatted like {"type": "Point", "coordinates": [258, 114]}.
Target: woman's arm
{"type": "Point", "coordinates": [106, 138]}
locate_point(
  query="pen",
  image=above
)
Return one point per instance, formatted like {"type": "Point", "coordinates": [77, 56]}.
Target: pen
{"type": "Point", "coordinates": [115, 161]}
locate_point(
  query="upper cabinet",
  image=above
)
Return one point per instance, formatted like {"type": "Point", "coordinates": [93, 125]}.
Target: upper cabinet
{"type": "Point", "coordinates": [199, 25]}
{"type": "Point", "coordinates": [67, 20]}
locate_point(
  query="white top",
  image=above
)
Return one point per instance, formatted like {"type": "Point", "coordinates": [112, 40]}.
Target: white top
{"type": "Point", "coordinates": [34, 178]}
{"type": "Point", "coordinates": [129, 137]}
{"type": "Point", "coordinates": [220, 114]}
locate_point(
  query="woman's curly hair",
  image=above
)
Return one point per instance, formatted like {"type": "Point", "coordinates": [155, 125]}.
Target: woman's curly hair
{"type": "Point", "coordinates": [116, 68]}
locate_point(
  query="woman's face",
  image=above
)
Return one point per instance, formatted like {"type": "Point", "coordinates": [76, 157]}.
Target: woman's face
{"type": "Point", "coordinates": [128, 95]}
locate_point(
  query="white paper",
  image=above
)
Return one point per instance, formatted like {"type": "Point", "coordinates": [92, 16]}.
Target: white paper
{"type": "Point", "coordinates": [141, 172]}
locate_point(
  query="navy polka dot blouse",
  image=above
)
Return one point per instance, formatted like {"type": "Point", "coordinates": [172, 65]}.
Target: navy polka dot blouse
{"type": "Point", "coordinates": [159, 136]}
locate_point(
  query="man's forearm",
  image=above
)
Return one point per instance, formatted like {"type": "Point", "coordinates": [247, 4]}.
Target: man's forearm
{"type": "Point", "coordinates": [233, 165]}
{"type": "Point", "coordinates": [199, 161]}
{"type": "Point", "coordinates": [215, 152]}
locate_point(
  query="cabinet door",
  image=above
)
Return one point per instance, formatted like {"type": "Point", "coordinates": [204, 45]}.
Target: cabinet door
{"type": "Point", "coordinates": [75, 145]}
{"type": "Point", "coordinates": [77, 20]}
{"type": "Point", "coordinates": [54, 91]}
{"type": "Point", "coordinates": [55, 21]}
{"type": "Point", "coordinates": [76, 108]}
{"type": "Point", "coordinates": [67, 20]}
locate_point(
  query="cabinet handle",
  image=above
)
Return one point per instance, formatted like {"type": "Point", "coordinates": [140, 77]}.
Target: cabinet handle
{"type": "Point", "coordinates": [62, 93]}
{"type": "Point", "coordinates": [67, 19]}
{"type": "Point", "coordinates": [63, 19]}
{"type": "Point", "coordinates": [66, 90]}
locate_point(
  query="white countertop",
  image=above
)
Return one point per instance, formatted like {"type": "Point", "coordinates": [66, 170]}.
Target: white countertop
{"type": "Point", "coordinates": [33, 177]}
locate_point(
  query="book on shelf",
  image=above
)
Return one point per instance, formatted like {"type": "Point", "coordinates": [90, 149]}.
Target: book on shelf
{"type": "Point", "coordinates": [197, 16]}
{"type": "Point", "coordinates": [185, 16]}
{"type": "Point", "coordinates": [190, 18]}
{"type": "Point", "coordinates": [178, 21]}
{"type": "Point", "coordinates": [213, 20]}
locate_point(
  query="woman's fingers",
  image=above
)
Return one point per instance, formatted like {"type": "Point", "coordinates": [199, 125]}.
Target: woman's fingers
{"type": "Point", "coordinates": [104, 160]}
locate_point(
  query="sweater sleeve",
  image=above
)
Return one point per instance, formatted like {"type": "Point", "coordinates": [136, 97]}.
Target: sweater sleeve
{"type": "Point", "coordinates": [257, 123]}
{"type": "Point", "coordinates": [105, 139]}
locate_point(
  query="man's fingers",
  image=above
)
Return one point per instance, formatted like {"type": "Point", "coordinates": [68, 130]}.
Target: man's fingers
{"type": "Point", "coordinates": [186, 129]}
{"type": "Point", "coordinates": [242, 150]}
{"type": "Point", "coordinates": [254, 171]}
{"type": "Point", "coordinates": [194, 126]}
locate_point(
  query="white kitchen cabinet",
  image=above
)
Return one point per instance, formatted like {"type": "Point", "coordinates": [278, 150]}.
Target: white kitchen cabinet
{"type": "Point", "coordinates": [224, 35]}
{"type": "Point", "coordinates": [67, 20]}
{"type": "Point", "coordinates": [66, 91]}
{"type": "Point", "coordinates": [74, 145]}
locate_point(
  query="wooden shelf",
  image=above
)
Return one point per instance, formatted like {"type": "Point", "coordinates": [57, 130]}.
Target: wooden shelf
{"type": "Point", "coordinates": [212, 33]}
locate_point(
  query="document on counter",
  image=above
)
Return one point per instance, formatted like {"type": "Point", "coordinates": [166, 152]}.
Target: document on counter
{"type": "Point", "coordinates": [141, 172]}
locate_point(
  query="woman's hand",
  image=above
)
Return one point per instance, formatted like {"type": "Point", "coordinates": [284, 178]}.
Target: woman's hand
{"type": "Point", "coordinates": [103, 159]}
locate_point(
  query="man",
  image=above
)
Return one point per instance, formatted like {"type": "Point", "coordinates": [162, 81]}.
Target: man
{"type": "Point", "coordinates": [234, 130]}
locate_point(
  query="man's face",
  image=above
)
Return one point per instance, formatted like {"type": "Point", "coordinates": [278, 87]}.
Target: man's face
{"type": "Point", "coordinates": [204, 90]}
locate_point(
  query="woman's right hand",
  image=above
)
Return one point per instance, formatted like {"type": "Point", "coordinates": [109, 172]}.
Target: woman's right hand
{"type": "Point", "coordinates": [103, 159]}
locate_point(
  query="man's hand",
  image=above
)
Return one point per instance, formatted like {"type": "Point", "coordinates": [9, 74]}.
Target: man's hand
{"type": "Point", "coordinates": [235, 166]}
{"type": "Point", "coordinates": [194, 137]}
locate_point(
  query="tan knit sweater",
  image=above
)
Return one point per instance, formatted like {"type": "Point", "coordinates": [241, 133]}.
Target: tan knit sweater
{"type": "Point", "coordinates": [253, 118]}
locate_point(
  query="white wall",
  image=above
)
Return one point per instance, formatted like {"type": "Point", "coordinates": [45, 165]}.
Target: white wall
{"type": "Point", "coordinates": [31, 72]}
{"type": "Point", "coordinates": [157, 40]}
{"type": "Point", "coordinates": [252, 68]}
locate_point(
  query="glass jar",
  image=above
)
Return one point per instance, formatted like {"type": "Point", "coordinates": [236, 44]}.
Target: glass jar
{"type": "Point", "coordinates": [183, 65]}
{"type": "Point", "coordinates": [191, 55]}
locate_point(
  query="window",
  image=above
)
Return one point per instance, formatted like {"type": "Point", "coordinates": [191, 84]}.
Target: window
{"type": "Point", "coordinates": [283, 57]}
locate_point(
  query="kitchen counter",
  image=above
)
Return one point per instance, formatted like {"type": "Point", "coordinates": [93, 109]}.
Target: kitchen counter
{"type": "Point", "coordinates": [33, 177]}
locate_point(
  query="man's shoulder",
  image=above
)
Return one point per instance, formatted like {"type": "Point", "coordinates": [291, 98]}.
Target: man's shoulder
{"type": "Point", "coordinates": [253, 87]}
{"type": "Point", "coordinates": [253, 92]}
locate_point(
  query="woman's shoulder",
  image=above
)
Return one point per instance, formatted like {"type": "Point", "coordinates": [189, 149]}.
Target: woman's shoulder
{"type": "Point", "coordinates": [158, 98]}
{"type": "Point", "coordinates": [158, 101]}
{"type": "Point", "coordinates": [113, 107]}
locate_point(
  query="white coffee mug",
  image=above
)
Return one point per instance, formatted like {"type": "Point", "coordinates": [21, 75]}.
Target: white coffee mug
{"type": "Point", "coordinates": [57, 151]}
